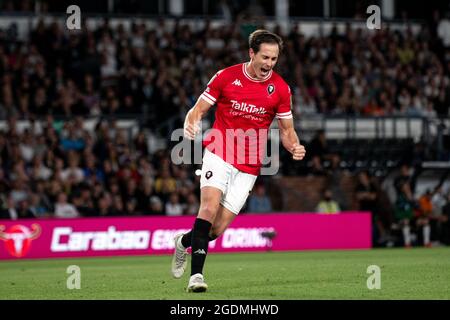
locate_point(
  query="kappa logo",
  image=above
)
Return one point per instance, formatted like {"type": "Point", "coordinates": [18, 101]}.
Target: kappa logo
{"type": "Point", "coordinates": [270, 88]}
{"type": "Point", "coordinates": [200, 251]}
{"type": "Point", "coordinates": [208, 174]}
{"type": "Point", "coordinates": [238, 83]}
{"type": "Point", "coordinates": [18, 238]}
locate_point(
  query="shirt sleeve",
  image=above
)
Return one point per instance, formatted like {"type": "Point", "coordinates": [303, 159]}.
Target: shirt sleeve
{"type": "Point", "coordinates": [213, 88]}
{"type": "Point", "coordinates": [284, 108]}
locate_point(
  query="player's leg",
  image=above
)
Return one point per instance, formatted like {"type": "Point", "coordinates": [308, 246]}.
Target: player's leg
{"type": "Point", "coordinates": [223, 219]}
{"type": "Point", "coordinates": [230, 206]}
{"type": "Point", "coordinates": [232, 202]}
{"type": "Point", "coordinates": [213, 184]}
{"type": "Point", "coordinates": [209, 206]}
{"type": "Point", "coordinates": [406, 230]}
{"type": "Point", "coordinates": [240, 185]}
{"type": "Point", "coordinates": [426, 230]}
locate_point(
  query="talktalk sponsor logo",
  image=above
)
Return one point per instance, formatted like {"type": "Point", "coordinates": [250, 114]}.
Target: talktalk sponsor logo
{"type": "Point", "coordinates": [18, 238]}
{"type": "Point", "coordinates": [64, 239]}
{"type": "Point", "coordinates": [245, 238]}
{"type": "Point", "coordinates": [250, 108]}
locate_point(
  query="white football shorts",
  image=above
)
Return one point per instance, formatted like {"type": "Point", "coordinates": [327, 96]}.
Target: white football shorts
{"type": "Point", "coordinates": [235, 184]}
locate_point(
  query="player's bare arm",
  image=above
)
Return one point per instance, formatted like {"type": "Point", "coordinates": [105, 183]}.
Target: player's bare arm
{"type": "Point", "coordinates": [290, 140]}
{"type": "Point", "coordinates": [193, 118]}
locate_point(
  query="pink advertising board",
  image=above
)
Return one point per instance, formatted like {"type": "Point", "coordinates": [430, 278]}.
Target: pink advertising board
{"type": "Point", "coordinates": [89, 237]}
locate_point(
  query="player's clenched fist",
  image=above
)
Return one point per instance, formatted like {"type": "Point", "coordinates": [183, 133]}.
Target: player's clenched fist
{"type": "Point", "coordinates": [298, 151]}
{"type": "Point", "coordinates": [191, 130]}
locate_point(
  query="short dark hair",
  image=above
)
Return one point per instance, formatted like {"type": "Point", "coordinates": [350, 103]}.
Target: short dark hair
{"type": "Point", "coordinates": [263, 36]}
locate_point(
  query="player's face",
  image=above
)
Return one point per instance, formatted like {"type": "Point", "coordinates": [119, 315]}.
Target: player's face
{"type": "Point", "coordinates": [265, 59]}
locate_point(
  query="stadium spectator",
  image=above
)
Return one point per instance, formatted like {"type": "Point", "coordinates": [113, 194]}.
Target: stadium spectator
{"type": "Point", "coordinates": [143, 195]}
{"type": "Point", "coordinates": [117, 207]}
{"type": "Point", "coordinates": [405, 176]}
{"type": "Point", "coordinates": [173, 206]}
{"type": "Point", "coordinates": [37, 208]}
{"type": "Point", "coordinates": [438, 218]}
{"type": "Point", "coordinates": [318, 153]}
{"type": "Point", "coordinates": [423, 216]}
{"type": "Point", "coordinates": [85, 209]}
{"type": "Point", "coordinates": [24, 210]}
{"type": "Point", "coordinates": [327, 205]}
{"type": "Point", "coordinates": [259, 201]}
{"type": "Point", "coordinates": [366, 193]}
{"type": "Point", "coordinates": [39, 171]}
{"type": "Point", "coordinates": [443, 31]}
{"type": "Point", "coordinates": [367, 196]}
{"type": "Point", "coordinates": [192, 205]}
{"type": "Point", "coordinates": [8, 210]}
{"type": "Point", "coordinates": [73, 172]}
{"type": "Point", "coordinates": [104, 205]}
{"type": "Point", "coordinates": [40, 191]}
{"type": "Point", "coordinates": [156, 206]}
{"type": "Point", "coordinates": [63, 209]}
{"type": "Point", "coordinates": [19, 191]}
{"type": "Point", "coordinates": [130, 206]}
{"type": "Point", "coordinates": [165, 184]}
{"type": "Point", "coordinates": [404, 211]}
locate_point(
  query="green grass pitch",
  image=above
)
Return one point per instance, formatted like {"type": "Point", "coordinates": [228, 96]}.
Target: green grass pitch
{"type": "Point", "coordinates": [417, 273]}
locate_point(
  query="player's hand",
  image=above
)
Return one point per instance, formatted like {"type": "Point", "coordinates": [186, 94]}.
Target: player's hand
{"type": "Point", "coordinates": [298, 151]}
{"type": "Point", "coordinates": [191, 130]}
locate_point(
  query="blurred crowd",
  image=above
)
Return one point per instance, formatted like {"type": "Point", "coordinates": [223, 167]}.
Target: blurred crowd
{"type": "Point", "coordinates": [161, 70]}
{"type": "Point", "coordinates": [61, 169]}
{"type": "Point", "coordinates": [383, 73]}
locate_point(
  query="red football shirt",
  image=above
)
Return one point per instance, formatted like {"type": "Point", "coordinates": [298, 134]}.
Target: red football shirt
{"type": "Point", "coordinates": [245, 110]}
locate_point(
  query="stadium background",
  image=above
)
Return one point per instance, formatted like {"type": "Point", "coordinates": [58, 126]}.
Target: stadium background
{"type": "Point", "coordinates": [86, 116]}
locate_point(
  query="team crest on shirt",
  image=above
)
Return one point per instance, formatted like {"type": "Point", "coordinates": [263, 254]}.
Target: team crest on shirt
{"type": "Point", "coordinates": [270, 89]}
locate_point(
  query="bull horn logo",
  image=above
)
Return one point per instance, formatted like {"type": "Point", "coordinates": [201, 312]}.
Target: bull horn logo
{"type": "Point", "coordinates": [18, 238]}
